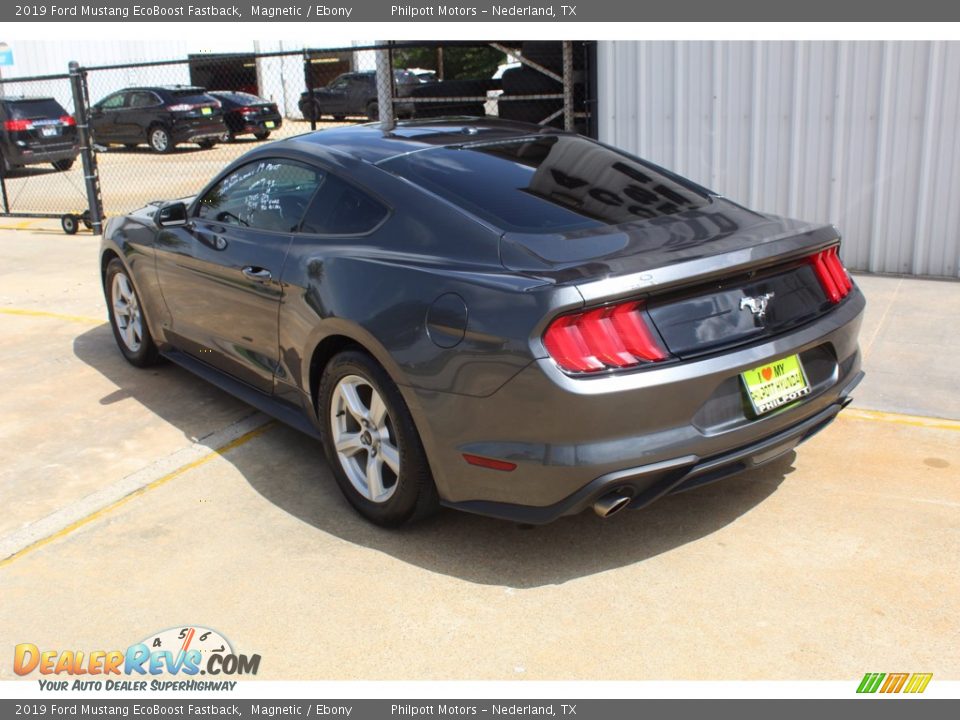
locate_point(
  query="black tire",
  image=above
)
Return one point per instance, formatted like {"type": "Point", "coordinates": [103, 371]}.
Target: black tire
{"type": "Point", "coordinates": [373, 110]}
{"type": "Point", "coordinates": [70, 224]}
{"type": "Point", "coordinates": [230, 137]}
{"type": "Point", "coordinates": [63, 165]}
{"type": "Point", "coordinates": [262, 135]}
{"type": "Point", "coordinates": [414, 495]}
{"type": "Point", "coordinates": [146, 353]}
{"type": "Point", "coordinates": [206, 144]}
{"type": "Point", "coordinates": [159, 140]}
{"type": "Point", "coordinates": [85, 219]}
{"type": "Point", "coordinates": [339, 118]}
{"type": "Point", "coordinates": [130, 146]}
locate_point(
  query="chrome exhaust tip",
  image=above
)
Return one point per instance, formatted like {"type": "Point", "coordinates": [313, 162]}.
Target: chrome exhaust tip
{"type": "Point", "coordinates": [611, 504]}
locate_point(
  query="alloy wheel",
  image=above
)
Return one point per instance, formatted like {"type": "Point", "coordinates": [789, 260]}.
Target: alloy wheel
{"type": "Point", "coordinates": [364, 437]}
{"type": "Point", "coordinates": [126, 312]}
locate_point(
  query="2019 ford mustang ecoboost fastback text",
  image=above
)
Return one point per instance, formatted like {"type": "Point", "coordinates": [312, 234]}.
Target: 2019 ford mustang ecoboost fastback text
{"type": "Point", "coordinates": [499, 318]}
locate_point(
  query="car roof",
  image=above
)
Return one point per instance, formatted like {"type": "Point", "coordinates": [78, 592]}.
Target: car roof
{"type": "Point", "coordinates": [25, 98]}
{"type": "Point", "coordinates": [155, 88]}
{"type": "Point", "coordinates": [371, 143]}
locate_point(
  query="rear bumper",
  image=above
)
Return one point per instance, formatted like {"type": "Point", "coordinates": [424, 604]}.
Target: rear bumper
{"type": "Point", "coordinates": [190, 131]}
{"type": "Point", "coordinates": [648, 432]}
{"type": "Point", "coordinates": [260, 125]}
{"type": "Point", "coordinates": [647, 483]}
{"type": "Point", "coordinates": [18, 157]}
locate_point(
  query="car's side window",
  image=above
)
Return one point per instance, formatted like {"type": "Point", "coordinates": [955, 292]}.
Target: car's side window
{"type": "Point", "coordinates": [143, 100]}
{"type": "Point", "coordinates": [114, 102]}
{"type": "Point", "coordinates": [265, 194]}
{"type": "Point", "coordinates": [341, 209]}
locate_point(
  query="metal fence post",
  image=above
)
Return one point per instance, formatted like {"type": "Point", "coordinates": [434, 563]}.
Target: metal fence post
{"type": "Point", "coordinates": [3, 193]}
{"type": "Point", "coordinates": [385, 88]}
{"type": "Point", "coordinates": [568, 86]}
{"type": "Point", "coordinates": [308, 73]}
{"type": "Point", "coordinates": [78, 84]}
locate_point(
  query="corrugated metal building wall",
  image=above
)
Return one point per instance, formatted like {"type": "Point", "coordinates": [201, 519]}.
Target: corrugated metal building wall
{"type": "Point", "coordinates": [865, 135]}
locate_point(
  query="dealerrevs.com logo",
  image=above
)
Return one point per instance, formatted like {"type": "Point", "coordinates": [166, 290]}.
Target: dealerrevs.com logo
{"type": "Point", "coordinates": [184, 651]}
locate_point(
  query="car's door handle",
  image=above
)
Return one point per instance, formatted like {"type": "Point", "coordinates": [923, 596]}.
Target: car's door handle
{"type": "Point", "coordinates": [257, 274]}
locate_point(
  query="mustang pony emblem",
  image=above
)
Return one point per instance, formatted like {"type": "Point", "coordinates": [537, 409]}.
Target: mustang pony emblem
{"type": "Point", "coordinates": [757, 305]}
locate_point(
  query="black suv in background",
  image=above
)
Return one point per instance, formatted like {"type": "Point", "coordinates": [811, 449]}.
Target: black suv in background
{"type": "Point", "coordinates": [245, 113]}
{"type": "Point", "coordinates": [34, 131]}
{"type": "Point", "coordinates": [161, 117]}
{"type": "Point", "coordinates": [353, 93]}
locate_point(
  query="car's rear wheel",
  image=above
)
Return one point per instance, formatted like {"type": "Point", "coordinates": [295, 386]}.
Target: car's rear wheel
{"type": "Point", "coordinates": [127, 317]}
{"type": "Point", "coordinates": [63, 165]}
{"type": "Point", "coordinates": [130, 146]}
{"type": "Point", "coordinates": [311, 112]}
{"type": "Point", "coordinates": [206, 144]}
{"type": "Point", "coordinates": [373, 110]}
{"type": "Point", "coordinates": [262, 135]}
{"type": "Point", "coordinates": [372, 444]}
{"type": "Point", "coordinates": [159, 139]}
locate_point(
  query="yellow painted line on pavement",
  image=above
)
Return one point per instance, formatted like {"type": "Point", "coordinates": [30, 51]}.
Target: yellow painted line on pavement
{"type": "Point", "coordinates": [58, 316]}
{"type": "Point", "coordinates": [922, 421]}
{"type": "Point", "coordinates": [233, 444]}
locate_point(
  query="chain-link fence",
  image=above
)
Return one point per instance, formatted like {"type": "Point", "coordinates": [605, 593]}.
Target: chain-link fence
{"type": "Point", "coordinates": [161, 130]}
{"type": "Point", "coordinates": [40, 170]}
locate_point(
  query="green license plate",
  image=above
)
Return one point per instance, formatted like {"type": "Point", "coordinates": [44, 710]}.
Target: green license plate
{"type": "Point", "coordinates": [206, 111]}
{"type": "Point", "coordinates": [270, 123]}
{"type": "Point", "coordinates": [776, 384]}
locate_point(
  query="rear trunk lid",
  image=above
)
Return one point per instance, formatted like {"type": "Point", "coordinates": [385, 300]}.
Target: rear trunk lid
{"type": "Point", "coordinates": [711, 278]}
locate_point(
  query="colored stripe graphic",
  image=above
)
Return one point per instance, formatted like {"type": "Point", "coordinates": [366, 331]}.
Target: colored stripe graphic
{"type": "Point", "coordinates": [870, 682]}
{"type": "Point", "coordinates": [894, 683]}
{"type": "Point", "coordinates": [918, 682]}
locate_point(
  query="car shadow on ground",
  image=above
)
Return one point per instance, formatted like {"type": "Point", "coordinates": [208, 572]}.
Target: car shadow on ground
{"type": "Point", "coordinates": [180, 149]}
{"type": "Point", "coordinates": [29, 171]}
{"type": "Point", "coordinates": [288, 469]}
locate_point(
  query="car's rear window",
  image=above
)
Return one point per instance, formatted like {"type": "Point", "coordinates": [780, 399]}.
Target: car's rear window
{"type": "Point", "coordinates": [242, 98]}
{"type": "Point", "coordinates": [28, 109]}
{"type": "Point", "coordinates": [191, 96]}
{"type": "Point", "coordinates": [548, 184]}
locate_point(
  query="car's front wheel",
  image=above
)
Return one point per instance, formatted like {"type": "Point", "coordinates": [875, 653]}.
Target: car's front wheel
{"type": "Point", "coordinates": [63, 165]}
{"type": "Point", "coordinates": [372, 444]}
{"type": "Point", "coordinates": [262, 135]}
{"type": "Point", "coordinates": [127, 318]}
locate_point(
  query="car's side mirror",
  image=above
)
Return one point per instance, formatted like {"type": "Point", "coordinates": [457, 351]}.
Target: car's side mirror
{"type": "Point", "coordinates": [172, 215]}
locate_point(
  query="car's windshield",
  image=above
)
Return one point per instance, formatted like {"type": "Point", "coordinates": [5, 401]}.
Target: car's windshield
{"type": "Point", "coordinates": [548, 183]}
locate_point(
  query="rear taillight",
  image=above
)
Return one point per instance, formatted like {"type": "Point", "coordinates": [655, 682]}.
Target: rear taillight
{"type": "Point", "coordinates": [68, 120]}
{"type": "Point", "coordinates": [18, 125]}
{"type": "Point", "coordinates": [616, 336]}
{"type": "Point", "coordinates": [831, 273]}
{"type": "Point", "coordinates": [246, 110]}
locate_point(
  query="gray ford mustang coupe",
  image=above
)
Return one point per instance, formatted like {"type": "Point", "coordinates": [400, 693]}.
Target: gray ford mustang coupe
{"type": "Point", "coordinates": [495, 317]}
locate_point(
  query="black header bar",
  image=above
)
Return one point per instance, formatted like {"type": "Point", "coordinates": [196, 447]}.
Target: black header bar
{"type": "Point", "coordinates": [345, 11]}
